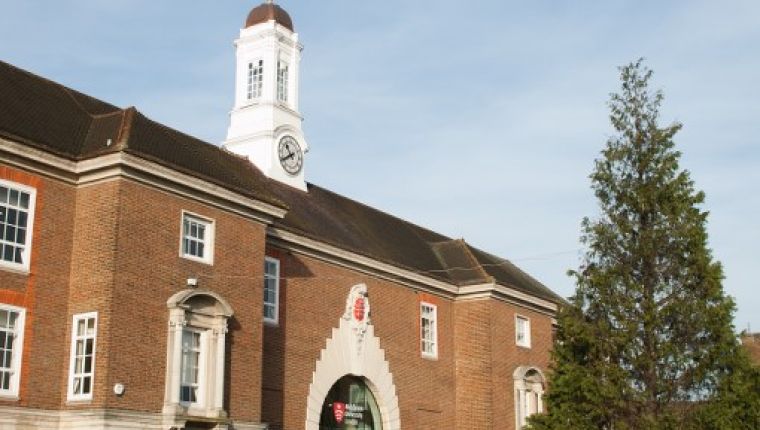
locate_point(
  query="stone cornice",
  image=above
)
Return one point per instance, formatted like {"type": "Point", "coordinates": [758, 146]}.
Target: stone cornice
{"type": "Point", "coordinates": [332, 254]}
{"type": "Point", "coordinates": [122, 165]}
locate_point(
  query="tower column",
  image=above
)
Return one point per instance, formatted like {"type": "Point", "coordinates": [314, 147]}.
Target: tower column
{"type": "Point", "coordinates": [265, 124]}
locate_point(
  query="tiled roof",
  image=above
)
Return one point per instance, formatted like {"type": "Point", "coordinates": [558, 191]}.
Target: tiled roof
{"type": "Point", "coordinates": [49, 116]}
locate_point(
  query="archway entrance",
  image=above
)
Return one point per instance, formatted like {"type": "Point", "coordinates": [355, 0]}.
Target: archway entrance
{"type": "Point", "coordinates": [350, 405]}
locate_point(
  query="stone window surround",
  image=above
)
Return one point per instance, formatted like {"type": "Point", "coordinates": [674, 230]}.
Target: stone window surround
{"type": "Point", "coordinates": [528, 393]}
{"type": "Point", "coordinates": [206, 311]}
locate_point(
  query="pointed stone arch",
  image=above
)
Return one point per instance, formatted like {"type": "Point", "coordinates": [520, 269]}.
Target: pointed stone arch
{"type": "Point", "coordinates": [353, 349]}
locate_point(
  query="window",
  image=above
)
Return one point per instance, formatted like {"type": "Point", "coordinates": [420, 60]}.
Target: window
{"type": "Point", "coordinates": [195, 355]}
{"type": "Point", "coordinates": [191, 365]}
{"type": "Point", "coordinates": [271, 289]}
{"type": "Point", "coordinates": [255, 79]}
{"type": "Point", "coordinates": [282, 81]}
{"type": "Point", "coordinates": [82, 361]}
{"type": "Point", "coordinates": [16, 216]}
{"type": "Point", "coordinates": [428, 330]}
{"type": "Point", "coordinates": [11, 342]}
{"type": "Point", "coordinates": [529, 391]}
{"type": "Point", "coordinates": [197, 238]}
{"type": "Point", "coordinates": [522, 331]}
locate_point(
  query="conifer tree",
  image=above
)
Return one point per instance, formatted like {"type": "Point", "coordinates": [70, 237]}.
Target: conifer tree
{"type": "Point", "coordinates": [647, 340]}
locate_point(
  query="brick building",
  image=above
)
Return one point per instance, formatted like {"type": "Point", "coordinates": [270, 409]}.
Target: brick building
{"type": "Point", "coordinates": [152, 280]}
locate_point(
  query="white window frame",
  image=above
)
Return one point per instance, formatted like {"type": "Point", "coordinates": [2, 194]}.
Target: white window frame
{"type": "Point", "coordinates": [283, 78]}
{"type": "Point", "coordinates": [16, 352]}
{"type": "Point", "coordinates": [208, 239]}
{"type": "Point", "coordinates": [433, 340]}
{"type": "Point", "coordinates": [276, 305]}
{"type": "Point", "coordinates": [71, 396]}
{"type": "Point", "coordinates": [524, 322]}
{"type": "Point", "coordinates": [255, 79]}
{"type": "Point", "coordinates": [200, 394]}
{"type": "Point", "coordinates": [27, 251]}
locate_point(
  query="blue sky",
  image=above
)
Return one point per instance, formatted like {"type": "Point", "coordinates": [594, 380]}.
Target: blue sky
{"type": "Point", "coordinates": [477, 119]}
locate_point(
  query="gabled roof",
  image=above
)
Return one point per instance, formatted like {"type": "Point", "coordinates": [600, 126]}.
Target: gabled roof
{"type": "Point", "coordinates": [46, 115]}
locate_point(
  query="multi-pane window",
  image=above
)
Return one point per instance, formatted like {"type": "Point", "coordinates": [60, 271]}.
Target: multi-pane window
{"type": "Point", "coordinates": [16, 214]}
{"type": "Point", "coordinates": [428, 330]}
{"type": "Point", "coordinates": [197, 238]}
{"type": "Point", "coordinates": [81, 375]}
{"type": "Point", "coordinates": [271, 289]}
{"type": "Point", "coordinates": [255, 79]}
{"type": "Point", "coordinates": [522, 331]}
{"type": "Point", "coordinates": [190, 382]}
{"type": "Point", "coordinates": [282, 81]}
{"type": "Point", "coordinates": [11, 342]}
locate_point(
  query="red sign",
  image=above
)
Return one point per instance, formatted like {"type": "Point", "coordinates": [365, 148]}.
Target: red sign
{"type": "Point", "coordinates": [339, 410]}
{"type": "Point", "coordinates": [359, 309]}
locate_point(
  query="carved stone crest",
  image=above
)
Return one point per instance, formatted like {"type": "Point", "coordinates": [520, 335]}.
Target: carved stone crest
{"type": "Point", "coordinates": [358, 311]}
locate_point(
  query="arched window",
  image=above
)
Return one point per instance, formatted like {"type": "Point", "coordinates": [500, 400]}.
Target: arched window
{"type": "Point", "coordinates": [195, 356]}
{"type": "Point", "coordinates": [350, 404]}
{"type": "Point", "coordinates": [529, 391]}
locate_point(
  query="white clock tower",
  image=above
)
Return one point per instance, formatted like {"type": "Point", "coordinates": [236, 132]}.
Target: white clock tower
{"type": "Point", "coordinates": [265, 124]}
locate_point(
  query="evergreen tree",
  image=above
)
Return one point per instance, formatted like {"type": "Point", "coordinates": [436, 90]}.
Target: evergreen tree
{"type": "Point", "coordinates": [647, 341]}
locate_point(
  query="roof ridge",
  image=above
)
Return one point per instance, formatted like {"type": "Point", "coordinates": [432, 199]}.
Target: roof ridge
{"type": "Point", "coordinates": [461, 245]}
{"type": "Point", "coordinates": [68, 91]}
{"type": "Point", "coordinates": [125, 130]}
{"type": "Point", "coordinates": [478, 266]}
{"type": "Point", "coordinates": [107, 114]}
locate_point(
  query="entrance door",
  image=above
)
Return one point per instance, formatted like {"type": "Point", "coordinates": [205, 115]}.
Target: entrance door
{"type": "Point", "coordinates": [350, 405]}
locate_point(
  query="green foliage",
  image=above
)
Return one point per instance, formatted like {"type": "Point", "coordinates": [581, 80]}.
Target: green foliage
{"type": "Point", "coordinates": [647, 341]}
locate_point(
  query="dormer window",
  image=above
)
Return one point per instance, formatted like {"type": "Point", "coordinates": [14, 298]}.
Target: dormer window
{"type": "Point", "coordinates": [282, 81]}
{"type": "Point", "coordinates": [255, 79]}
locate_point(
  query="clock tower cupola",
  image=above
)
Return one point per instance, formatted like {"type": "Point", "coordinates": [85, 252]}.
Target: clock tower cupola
{"type": "Point", "coordinates": [265, 124]}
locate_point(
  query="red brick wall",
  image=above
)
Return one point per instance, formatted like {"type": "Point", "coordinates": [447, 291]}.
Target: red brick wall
{"type": "Point", "coordinates": [93, 265]}
{"type": "Point", "coordinates": [43, 292]}
{"type": "Point", "coordinates": [149, 271]}
{"type": "Point", "coordinates": [507, 356]}
{"type": "Point", "coordinates": [473, 365]}
{"type": "Point", "coordinates": [113, 248]}
{"type": "Point", "coordinates": [313, 296]}
{"type": "Point", "coordinates": [469, 386]}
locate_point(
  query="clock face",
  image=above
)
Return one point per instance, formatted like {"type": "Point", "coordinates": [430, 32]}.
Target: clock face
{"type": "Point", "coordinates": [291, 156]}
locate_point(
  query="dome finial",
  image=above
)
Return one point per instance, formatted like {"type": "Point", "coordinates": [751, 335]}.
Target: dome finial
{"type": "Point", "coordinates": [269, 11]}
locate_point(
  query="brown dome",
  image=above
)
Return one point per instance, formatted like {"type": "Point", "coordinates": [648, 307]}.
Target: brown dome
{"type": "Point", "coordinates": [269, 12]}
